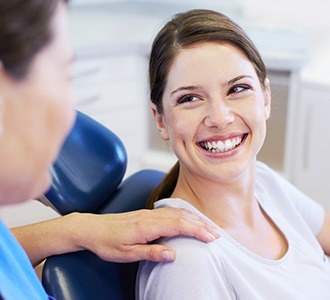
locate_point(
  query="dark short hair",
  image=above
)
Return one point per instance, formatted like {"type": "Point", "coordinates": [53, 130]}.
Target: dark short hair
{"type": "Point", "coordinates": [25, 28]}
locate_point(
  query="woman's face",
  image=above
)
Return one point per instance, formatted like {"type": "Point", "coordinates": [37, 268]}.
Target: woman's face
{"type": "Point", "coordinates": [37, 115]}
{"type": "Point", "coordinates": [215, 111]}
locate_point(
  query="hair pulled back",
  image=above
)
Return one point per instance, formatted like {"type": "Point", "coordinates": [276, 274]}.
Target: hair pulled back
{"type": "Point", "coordinates": [185, 30]}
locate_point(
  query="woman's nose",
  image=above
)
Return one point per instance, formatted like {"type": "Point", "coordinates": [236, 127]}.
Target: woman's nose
{"type": "Point", "coordinates": [219, 115]}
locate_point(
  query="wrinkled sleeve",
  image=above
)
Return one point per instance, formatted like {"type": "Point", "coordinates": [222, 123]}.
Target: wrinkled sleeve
{"type": "Point", "coordinates": [195, 274]}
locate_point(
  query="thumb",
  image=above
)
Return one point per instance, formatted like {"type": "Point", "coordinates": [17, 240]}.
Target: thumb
{"type": "Point", "coordinates": [154, 252]}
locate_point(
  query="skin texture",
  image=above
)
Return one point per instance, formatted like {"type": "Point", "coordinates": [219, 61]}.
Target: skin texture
{"type": "Point", "coordinates": [36, 117]}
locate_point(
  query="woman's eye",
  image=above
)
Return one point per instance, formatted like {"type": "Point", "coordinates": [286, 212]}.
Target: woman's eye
{"type": "Point", "coordinates": [188, 99]}
{"type": "Point", "coordinates": [239, 88]}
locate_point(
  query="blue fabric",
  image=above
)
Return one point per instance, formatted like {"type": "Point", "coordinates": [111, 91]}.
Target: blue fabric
{"type": "Point", "coordinates": [17, 277]}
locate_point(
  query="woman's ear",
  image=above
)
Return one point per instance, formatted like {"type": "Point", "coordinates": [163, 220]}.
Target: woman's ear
{"type": "Point", "coordinates": [159, 121]}
{"type": "Point", "coordinates": [267, 99]}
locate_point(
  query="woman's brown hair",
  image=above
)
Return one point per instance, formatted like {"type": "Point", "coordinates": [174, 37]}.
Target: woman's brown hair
{"type": "Point", "coordinates": [25, 28]}
{"type": "Point", "coordinates": [185, 30]}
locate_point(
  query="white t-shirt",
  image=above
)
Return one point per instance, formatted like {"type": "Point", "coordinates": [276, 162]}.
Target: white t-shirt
{"type": "Point", "coordinates": [224, 269]}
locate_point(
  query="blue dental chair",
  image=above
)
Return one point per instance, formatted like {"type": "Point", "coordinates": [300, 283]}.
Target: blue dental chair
{"type": "Point", "coordinates": [87, 177]}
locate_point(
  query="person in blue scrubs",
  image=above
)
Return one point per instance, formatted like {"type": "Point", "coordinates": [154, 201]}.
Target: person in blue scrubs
{"type": "Point", "coordinates": [36, 114]}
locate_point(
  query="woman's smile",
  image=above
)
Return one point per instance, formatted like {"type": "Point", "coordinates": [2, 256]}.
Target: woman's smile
{"type": "Point", "coordinates": [221, 145]}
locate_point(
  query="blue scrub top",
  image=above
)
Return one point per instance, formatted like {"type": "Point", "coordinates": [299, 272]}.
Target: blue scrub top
{"type": "Point", "coordinates": [18, 279]}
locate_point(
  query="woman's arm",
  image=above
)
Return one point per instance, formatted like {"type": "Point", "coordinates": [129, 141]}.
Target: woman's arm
{"type": "Point", "coordinates": [113, 237]}
{"type": "Point", "coordinates": [324, 235]}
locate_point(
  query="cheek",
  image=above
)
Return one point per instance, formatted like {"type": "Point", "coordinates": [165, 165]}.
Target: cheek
{"type": "Point", "coordinates": [67, 107]}
{"type": "Point", "coordinates": [182, 127]}
{"type": "Point", "coordinates": [255, 113]}
{"type": "Point", "coordinates": [259, 123]}
{"type": "Point", "coordinates": [62, 106]}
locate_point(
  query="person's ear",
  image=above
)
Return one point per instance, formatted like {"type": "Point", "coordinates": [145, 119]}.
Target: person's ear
{"type": "Point", "coordinates": [2, 101]}
{"type": "Point", "coordinates": [2, 108]}
{"type": "Point", "coordinates": [267, 99]}
{"type": "Point", "coordinates": [159, 121]}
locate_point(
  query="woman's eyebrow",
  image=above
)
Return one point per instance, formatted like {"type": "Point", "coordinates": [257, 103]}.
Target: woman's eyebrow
{"type": "Point", "coordinates": [190, 87]}
{"type": "Point", "coordinates": [194, 87]}
{"type": "Point", "coordinates": [238, 78]}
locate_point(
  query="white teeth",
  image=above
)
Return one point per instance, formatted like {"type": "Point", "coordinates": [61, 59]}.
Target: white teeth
{"type": "Point", "coordinates": [221, 146]}
{"type": "Point", "coordinates": [229, 145]}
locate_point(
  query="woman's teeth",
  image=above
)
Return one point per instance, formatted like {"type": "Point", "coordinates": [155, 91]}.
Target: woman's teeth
{"type": "Point", "coordinates": [221, 146]}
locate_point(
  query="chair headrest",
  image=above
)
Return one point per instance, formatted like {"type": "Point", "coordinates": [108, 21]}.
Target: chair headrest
{"type": "Point", "coordinates": [133, 192]}
{"type": "Point", "coordinates": [90, 166]}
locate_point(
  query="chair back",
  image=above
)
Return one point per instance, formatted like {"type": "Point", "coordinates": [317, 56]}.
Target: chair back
{"type": "Point", "coordinates": [87, 178]}
{"type": "Point", "coordinates": [90, 166]}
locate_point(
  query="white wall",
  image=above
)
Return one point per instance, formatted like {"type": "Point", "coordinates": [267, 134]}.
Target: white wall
{"type": "Point", "coordinates": [311, 16]}
{"type": "Point", "coordinates": [307, 15]}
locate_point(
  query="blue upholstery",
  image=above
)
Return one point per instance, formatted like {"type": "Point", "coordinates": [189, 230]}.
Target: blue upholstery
{"type": "Point", "coordinates": [91, 164]}
{"type": "Point", "coordinates": [133, 193]}
{"type": "Point", "coordinates": [82, 275]}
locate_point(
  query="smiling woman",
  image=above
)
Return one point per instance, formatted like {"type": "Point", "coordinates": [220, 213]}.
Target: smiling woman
{"type": "Point", "coordinates": [187, 32]}
{"type": "Point", "coordinates": [211, 99]}
{"type": "Point", "coordinates": [232, 100]}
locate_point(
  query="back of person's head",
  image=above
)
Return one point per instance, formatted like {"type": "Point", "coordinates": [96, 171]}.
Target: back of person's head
{"type": "Point", "coordinates": [183, 31]}
{"type": "Point", "coordinates": [25, 28]}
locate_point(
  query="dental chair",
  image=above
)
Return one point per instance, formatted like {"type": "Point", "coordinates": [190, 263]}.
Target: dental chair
{"type": "Point", "coordinates": [87, 177]}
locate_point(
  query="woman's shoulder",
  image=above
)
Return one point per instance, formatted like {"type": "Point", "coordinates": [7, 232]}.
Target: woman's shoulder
{"type": "Point", "coordinates": [197, 272]}
{"type": "Point", "coordinates": [191, 251]}
{"type": "Point", "coordinates": [269, 181]}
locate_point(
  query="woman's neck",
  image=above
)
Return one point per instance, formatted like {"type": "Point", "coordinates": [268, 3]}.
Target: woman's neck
{"type": "Point", "coordinates": [223, 201]}
{"type": "Point", "coordinates": [231, 204]}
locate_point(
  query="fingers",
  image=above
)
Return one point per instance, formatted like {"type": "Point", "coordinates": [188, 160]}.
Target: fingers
{"type": "Point", "coordinates": [174, 221]}
{"type": "Point", "coordinates": [131, 232]}
{"type": "Point", "coordinates": [154, 252]}
{"type": "Point", "coordinates": [199, 228]}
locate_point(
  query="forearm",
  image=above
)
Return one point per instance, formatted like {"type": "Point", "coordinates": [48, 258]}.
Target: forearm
{"type": "Point", "coordinates": [47, 238]}
{"type": "Point", "coordinates": [113, 237]}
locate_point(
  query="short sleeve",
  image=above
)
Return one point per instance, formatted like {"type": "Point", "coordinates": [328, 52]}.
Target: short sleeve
{"type": "Point", "coordinates": [311, 211]}
{"type": "Point", "coordinates": [195, 274]}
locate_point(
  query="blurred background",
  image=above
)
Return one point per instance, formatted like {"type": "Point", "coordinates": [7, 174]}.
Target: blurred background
{"type": "Point", "coordinates": [112, 41]}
